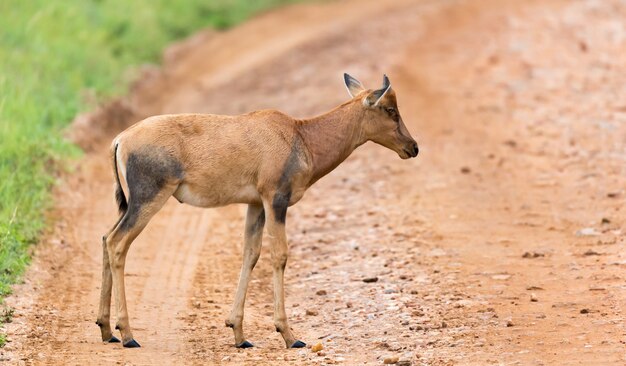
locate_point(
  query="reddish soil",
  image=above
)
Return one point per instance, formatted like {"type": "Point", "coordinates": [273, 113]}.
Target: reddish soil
{"type": "Point", "coordinates": [502, 243]}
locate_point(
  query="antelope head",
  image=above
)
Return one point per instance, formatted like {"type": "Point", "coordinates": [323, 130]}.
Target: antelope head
{"type": "Point", "coordinates": [381, 121]}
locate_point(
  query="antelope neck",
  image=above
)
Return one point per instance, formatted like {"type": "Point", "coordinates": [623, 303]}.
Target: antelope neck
{"type": "Point", "coordinates": [331, 137]}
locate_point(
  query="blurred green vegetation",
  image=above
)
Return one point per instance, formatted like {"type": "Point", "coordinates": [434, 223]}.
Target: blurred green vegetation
{"type": "Point", "coordinates": [58, 58]}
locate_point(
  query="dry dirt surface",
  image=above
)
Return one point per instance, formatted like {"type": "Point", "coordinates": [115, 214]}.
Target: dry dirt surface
{"type": "Point", "coordinates": [502, 243]}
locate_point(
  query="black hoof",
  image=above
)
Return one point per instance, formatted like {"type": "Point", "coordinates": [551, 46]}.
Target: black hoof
{"type": "Point", "coordinates": [132, 344]}
{"type": "Point", "coordinates": [298, 344]}
{"type": "Point", "coordinates": [245, 344]}
{"type": "Point", "coordinates": [113, 340]}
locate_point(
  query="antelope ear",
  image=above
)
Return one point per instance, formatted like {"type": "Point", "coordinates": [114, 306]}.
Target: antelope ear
{"type": "Point", "coordinates": [374, 98]}
{"type": "Point", "coordinates": [353, 85]}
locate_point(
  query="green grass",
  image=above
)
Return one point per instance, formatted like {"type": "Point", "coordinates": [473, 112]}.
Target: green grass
{"type": "Point", "coordinates": [59, 58]}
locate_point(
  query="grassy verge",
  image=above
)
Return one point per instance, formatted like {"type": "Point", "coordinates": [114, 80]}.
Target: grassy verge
{"type": "Point", "coordinates": [58, 58]}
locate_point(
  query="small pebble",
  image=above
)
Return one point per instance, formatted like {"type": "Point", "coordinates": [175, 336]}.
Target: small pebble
{"type": "Point", "coordinates": [591, 252]}
{"type": "Point", "coordinates": [533, 297]}
{"type": "Point", "coordinates": [316, 348]}
{"type": "Point", "coordinates": [370, 279]}
{"type": "Point", "coordinates": [501, 277]}
{"type": "Point", "coordinates": [321, 292]}
{"type": "Point", "coordinates": [391, 360]}
{"type": "Point", "coordinates": [311, 312]}
{"type": "Point", "coordinates": [584, 311]}
{"type": "Point", "coordinates": [587, 231]}
{"type": "Point", "coordinates": [509, 323]}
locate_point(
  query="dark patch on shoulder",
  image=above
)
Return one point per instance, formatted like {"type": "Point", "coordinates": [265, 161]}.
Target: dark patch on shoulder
{"type": "Point", "coordinates": [280, 205]}
{"type": "Point", "coordinates": [282, 196]}
{"type": "Point", "coordinates": [147, 172]}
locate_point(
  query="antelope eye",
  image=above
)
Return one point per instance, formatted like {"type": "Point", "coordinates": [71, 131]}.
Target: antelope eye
{"type": "Point", "coordinates": [393, 113]}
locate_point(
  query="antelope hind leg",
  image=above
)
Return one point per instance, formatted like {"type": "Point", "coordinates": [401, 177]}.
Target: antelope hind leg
{"type": "Point", "coordinates": [104, 311]}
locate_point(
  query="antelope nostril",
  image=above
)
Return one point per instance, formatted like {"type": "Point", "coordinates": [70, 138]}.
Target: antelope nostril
{"type": "Point", "coordinates": [416, 149]}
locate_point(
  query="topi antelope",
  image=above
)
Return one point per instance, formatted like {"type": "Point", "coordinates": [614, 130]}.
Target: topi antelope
{"type": "Point", "coordinates": [265, 159]}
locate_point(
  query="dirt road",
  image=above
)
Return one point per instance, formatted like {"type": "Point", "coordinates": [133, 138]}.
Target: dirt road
{"type": "Point", "coordinates": [502, 243]}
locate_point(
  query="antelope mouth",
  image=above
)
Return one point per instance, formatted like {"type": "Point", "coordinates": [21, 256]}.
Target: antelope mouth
{"type": "Point", "coordinates": [408, 154]}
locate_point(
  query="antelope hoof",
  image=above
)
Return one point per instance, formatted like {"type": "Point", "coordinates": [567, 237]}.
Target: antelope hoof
{"type": "Point", "coordinates": [245, 344]}
{"type": "Point", "coordinates": [298, 344]}
{"type": "Point", "coordinates": [131, 344]}
{"type": "Point", "coordinates": [113, 340]}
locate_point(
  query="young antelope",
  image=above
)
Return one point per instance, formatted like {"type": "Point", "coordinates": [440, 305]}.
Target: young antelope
{"type": "Point", "coordinates": [264, 159]}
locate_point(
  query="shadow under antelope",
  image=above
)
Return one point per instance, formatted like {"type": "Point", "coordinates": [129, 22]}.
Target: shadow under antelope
{"type": "Point", "coordinates": [265, 159]}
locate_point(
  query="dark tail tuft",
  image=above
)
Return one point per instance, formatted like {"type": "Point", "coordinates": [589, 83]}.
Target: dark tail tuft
{"type": "Point", "coordinates": [121, 200]}
{"type": "Point", "coordinates": [122, 204]}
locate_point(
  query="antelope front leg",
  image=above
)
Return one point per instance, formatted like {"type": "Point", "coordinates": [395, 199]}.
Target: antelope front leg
{"type": "Point", "coordinates": [276, 212]}
{"type": "Point", "coordinates": [255, 220]}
